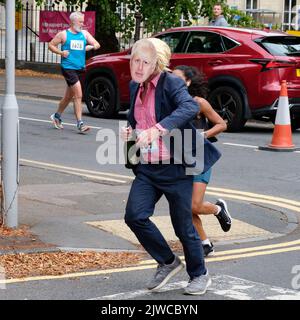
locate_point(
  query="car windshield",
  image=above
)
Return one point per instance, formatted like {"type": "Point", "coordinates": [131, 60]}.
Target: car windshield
{"type": "Point", "coordinates": [281, 46]}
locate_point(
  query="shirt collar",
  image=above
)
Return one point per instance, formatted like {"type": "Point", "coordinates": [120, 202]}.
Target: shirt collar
{"type": "Point", "coordinates": [153, 81]}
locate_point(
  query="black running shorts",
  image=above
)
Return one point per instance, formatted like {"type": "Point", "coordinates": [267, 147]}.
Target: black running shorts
{"type": "Point", "coordinates": [71, 76]}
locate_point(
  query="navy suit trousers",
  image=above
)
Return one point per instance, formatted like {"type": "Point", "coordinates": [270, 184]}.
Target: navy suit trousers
{"type": "Point", "coordinates": [151, 182]}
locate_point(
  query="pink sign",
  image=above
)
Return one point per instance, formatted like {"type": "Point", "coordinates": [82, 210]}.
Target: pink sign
{"type": "Point", "coordinates": [51, 22]}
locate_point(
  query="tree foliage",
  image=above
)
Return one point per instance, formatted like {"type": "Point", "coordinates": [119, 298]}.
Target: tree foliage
{"type": "Point", "coordinates": [19, 4]}
{"type": "Point", "coordinates": [154, 16]}
{"type": "Point", "coordinates": [234, 17]}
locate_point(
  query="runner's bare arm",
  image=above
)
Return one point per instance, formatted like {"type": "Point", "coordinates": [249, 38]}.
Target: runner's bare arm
{"type": "Point", "coordinates": [93, 44]}
{"type": "Point", "coordinates": [218, 123]}
{"type": "Point", "coordinates": [53, 45]}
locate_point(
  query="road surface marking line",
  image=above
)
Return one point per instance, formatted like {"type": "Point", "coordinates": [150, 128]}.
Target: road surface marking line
{"type": "Point", "coordinates": [255, 195]}
{"type": "Point", "coordinates": [143, 292]}
{"type": "Point", "coordinates": [245, 146]}
{"type": "Point", "coordinates": [77, 274]}
{"type": "Point", "coordinates": [252, 254]}
{"type": "Point", "coordinates": [258, 248]}
{"type": "Point", "coordinates": [141, 267]}
{"type": "Point", "coordinates": [275, 203]}
{"type": "Point", "coordinates": [49, 121]}
{"type": "Point", "coordinates": [230, 191]}
{"type": "Point", "coordinates": [222, 285]}
{"type": "Point", "coordinates": [51, 165]}
{"type": "Point", "coordinates": [223, 190]}
{"type": "Point", "coordinates": [243, 250]}
{"type": "Point", "coordinates": [228, 255]}
{"type": "Point", "coordinates": [98, 177]}
{"type": "Point", "coordinates": [240, 145]}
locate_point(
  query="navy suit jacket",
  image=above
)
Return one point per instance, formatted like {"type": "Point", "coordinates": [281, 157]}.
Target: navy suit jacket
{"type": "Point", "coordinates": [175, 109]}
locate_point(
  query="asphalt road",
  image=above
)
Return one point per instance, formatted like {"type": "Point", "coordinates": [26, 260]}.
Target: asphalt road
{"type": "Point", "coordinates": [250, 274]}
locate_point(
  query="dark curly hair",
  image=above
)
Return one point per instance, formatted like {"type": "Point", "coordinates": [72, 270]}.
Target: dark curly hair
{"type": "Point", "coordinates": [199, 85]}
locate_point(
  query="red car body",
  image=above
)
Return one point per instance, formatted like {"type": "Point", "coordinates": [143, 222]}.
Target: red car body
{"type": "Point", "coordinates": [244, 69]}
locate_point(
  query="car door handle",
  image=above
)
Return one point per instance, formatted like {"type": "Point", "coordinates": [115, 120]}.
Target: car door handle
{"type": "Point", "coordinates": [215, 62]}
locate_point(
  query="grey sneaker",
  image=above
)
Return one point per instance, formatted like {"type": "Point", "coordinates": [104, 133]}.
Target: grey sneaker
{"type": "Point", "coordinates": [164, 273]}
{"type": "Point", "coordinates": [57, 122]}
{"type": "Point", "coordinates": [82, 128]}
{"type": "Point", "coordinates": [198, 285]}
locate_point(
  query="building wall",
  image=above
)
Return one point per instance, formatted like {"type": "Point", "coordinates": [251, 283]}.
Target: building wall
{"type": "Point", "coordinates": [274, 5]}
{"type": "Point", "coordinates": [2, 17]}
{"type": "Point", "coordinates": [240, 4]}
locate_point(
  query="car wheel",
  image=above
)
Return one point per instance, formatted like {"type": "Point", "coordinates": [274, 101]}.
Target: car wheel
{"type": "Point", "coordinates": [228, 103]}
{"type": "Point", "coordinates": [295, 123]}
{"type": "Point", "coordinates": [100, 98]}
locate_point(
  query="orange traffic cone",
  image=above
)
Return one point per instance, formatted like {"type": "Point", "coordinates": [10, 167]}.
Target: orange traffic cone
{"type": "Point", "coordinates": [282, 134]}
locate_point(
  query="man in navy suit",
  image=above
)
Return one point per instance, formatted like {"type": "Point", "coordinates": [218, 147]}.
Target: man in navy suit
{"type": "Point", "coordinates": [160, 103]}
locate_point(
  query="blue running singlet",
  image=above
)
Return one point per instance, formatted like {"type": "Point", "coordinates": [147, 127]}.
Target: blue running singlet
{"type": "Point", "coordinates": [75, 44]}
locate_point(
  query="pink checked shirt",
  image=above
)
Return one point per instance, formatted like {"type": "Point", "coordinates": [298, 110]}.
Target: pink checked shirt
{"type": "Point", "coordinates": [144, 114]}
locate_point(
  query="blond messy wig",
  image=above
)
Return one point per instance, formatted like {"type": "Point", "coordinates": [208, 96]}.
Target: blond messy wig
{"type": "Point", "coordinates": [163, 54]}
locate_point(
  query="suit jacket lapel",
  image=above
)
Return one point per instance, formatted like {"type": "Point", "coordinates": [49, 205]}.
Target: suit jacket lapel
{"type": "Point", "coordinates": [158, 97]}
{"type": "Point", "coordinates": [134, 88]}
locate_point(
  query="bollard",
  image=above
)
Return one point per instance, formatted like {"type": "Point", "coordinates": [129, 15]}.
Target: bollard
{"type": "Point", "coordinates": [32, 52]}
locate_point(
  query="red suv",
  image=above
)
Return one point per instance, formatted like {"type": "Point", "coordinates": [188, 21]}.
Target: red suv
{"type": "Point", "coordinates": [244, 68]}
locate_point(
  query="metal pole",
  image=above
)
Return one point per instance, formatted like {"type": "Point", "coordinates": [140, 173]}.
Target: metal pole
{"type": "Point", "coordinates": [10, 129]}
{"type": "Point", "coordinates": [26, 31]}
{"type": "Point", "coordinates": [138, 19]}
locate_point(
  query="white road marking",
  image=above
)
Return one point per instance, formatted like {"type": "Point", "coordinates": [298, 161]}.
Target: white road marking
{"type": "Point", "coordinates": [245, 146]}
{"type": "Point", "coordinates": [240, 145]}
{"type": "Point", "coordinates": [222, 285]}
{"type": "Point", "coordinates": [49, 121]}
{"type": "Point", "coordinates": [142, 292]}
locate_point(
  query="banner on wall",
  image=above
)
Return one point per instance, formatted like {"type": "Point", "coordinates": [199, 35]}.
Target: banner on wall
{"type": "Point", "coordinates": [52, 22]}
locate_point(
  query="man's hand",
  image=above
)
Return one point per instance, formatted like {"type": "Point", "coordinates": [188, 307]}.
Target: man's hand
{"type": "Point", "coordinates": [89, 47]}
{"type": "Point", "coordinates": [65, 53]}
{"type": "Point", "coordinates": [146, 137]}
{"type": "Point", "coordinates": [126, 133]}
{"type": "Point", "coordinates": [96, 45]}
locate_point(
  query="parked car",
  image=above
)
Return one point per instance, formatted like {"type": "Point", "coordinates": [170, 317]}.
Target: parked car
{"type": "Point", "coordinates": [244, 68]}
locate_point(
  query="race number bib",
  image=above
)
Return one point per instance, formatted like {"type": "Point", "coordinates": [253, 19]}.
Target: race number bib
{"type": "Point", "coordinates": [76, 44]}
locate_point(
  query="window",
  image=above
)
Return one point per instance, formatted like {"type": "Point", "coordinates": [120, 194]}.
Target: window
{"type": "Point", "coordinates": [195, 45]}
{"type": "Point", "coordinates": [282, 46]}
{"type": "Point", "coordinates": [121, 10]}
{"type": "Point", "coordinates": [204, 42]}
{"type": "Point", "coordinates": [49, 4]}
{"type": "Point", "coordinates": [174, 40]}
{"type": "Point", "coordinates": [229, 44]}
{"type": "Point", "coordinates": [251, 4]}
{"type": "Point", "coordinates": [290, 15]}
